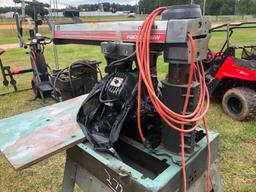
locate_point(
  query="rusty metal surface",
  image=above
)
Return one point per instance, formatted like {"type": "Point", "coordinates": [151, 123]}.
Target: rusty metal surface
{"type": "Point", "coordinates": [30, 137]}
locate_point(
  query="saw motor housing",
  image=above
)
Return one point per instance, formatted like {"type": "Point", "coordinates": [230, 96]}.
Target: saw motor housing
{"type": "Point", "coordinates": [123, 72]}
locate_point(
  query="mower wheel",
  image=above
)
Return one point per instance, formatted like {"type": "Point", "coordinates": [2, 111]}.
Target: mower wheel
{"type": "Point", "coordinates": [240, 103]}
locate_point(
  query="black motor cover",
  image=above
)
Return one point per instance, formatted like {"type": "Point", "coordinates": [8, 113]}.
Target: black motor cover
{"type": "Point", "coordinates": [104, 111]}
{"type": "Point", "coordinates": [111, 107]}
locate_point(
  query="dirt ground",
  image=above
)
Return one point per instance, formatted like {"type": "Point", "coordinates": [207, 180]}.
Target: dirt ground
{"type": "Point", "coordinates": [11, 26]}
{"type": "Point", "coordinates": [10, 46]}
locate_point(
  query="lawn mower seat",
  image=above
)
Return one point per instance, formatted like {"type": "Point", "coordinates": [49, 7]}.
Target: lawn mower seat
{"type": "Point", "coordinates": [249, 54]}
{"type": "Point", "coordinates": [248, 64]}
{"type": "Point", "coordinates": [1, 51]}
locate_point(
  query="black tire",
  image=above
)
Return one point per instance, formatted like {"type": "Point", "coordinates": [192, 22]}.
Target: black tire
{"type": "Point", "coordinates": [240, 103]}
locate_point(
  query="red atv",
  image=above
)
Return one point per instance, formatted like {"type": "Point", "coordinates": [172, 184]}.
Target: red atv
{"type": "Point", "coordinates": [231, 77]}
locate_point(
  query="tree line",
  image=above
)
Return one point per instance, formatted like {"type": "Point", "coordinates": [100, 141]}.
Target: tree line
{"type": "Point", "coordinates": [109, 7]}
{"type": "Point", "coordinates": [8, 9]}
{"type": "Point", "coordinates": [28, 9]}
{"type": "Point", "coordinates": [213, 7]}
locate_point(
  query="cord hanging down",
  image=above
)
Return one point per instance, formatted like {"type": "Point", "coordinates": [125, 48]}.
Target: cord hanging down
{"type": "Point", "coordinates": [169, 116]}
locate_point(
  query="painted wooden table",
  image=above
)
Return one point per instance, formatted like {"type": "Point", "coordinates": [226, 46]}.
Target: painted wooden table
{"type": "Point", "coordinates": [31, 137]}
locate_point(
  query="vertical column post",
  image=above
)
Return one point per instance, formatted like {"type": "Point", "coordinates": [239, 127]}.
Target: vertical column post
{"type": "Point", "coordinates": [182, 19]}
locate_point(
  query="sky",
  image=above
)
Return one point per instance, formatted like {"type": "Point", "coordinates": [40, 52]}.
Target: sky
{"type": "Point", "coordinates": [72, 2]}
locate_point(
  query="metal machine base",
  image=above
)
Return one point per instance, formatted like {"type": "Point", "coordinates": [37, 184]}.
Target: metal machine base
{"type": "Point", "coordinates": [140, 169]}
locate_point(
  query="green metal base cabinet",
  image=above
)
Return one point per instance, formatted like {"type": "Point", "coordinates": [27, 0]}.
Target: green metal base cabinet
{"type": "Point", "coordinates": [140, 170]}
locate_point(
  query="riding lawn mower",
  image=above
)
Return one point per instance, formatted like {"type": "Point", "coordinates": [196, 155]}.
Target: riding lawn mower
{"type": "Point", "coordinates": [233, 77]}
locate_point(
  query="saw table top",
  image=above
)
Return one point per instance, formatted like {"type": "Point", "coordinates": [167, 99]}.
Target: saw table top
{"type": "Point", "coordinates": [31, 137]}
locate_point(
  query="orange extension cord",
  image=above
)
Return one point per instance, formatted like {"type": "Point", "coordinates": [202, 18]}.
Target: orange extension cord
{"type": "Point", "coordinates": [169, 116]}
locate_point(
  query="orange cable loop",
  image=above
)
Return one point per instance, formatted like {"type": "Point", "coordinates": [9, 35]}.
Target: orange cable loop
{"type": "Point", "coordinates": [170, 117]}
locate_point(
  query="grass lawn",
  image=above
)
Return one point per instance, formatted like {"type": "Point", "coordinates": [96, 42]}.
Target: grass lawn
{"type": "Point", "coordinates": [10, 35]}
{"type": "Point", "coordinates": [237, 149]}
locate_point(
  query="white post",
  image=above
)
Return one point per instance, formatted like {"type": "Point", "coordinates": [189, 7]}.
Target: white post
{"type": "Point", "coordinates": [50, 9]}
{"type": "Point", "coordinates": [57, 8]}
{"type": "Point", "coordinates": [23, 9]}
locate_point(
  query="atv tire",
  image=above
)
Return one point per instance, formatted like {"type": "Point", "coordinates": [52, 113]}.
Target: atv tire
{"type": "Point", "coordinates": [240, 103]}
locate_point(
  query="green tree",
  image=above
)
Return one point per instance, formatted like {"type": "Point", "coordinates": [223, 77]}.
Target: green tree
{"type": "Point", "coordinates": [8, 9]}
{"type": "Point", "coordinates": [246, 7]}
{"type": "Point", "coordinates": [214, 7]}
{"type": "Point", "coordinates": [147, 6]}
{"type": "Point", "coordinates": [32, 10]}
